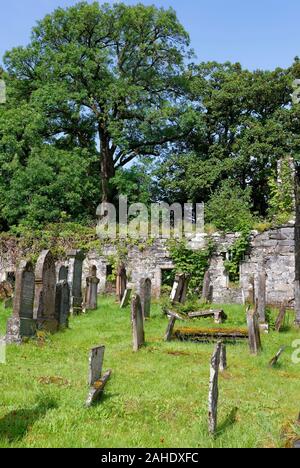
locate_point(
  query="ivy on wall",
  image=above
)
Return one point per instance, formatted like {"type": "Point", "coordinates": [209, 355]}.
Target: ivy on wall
{"type": "Point", "coordinates": [236, 254]}
{"type": "Point", "coordinates": [192, 262]}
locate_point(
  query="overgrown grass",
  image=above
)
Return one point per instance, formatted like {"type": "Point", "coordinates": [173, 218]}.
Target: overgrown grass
{"type": "Point", "coordinates": [155, 398]}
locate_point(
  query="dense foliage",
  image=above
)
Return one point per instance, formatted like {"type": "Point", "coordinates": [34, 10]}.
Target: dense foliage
{"type": "Point", "coordinates": [194, 263]}
{"type": "Point", "coordinates": [104, 100]}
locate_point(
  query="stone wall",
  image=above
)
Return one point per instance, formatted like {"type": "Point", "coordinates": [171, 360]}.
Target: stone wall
{"type": "Point", "coordinates": [140, 263]}
{"type": "Point", "coordinates": [273, 251]}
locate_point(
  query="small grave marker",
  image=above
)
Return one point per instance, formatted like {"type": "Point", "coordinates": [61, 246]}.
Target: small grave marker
{"type": "Point", "coordinates": [254, 332]}
{"type": "Point", "coordinates": [96, 381]}
{"type": "Point", "coordinates": [137, 321]}
{"type": "Point", "coordinates": [126, 297]}
{"type": "Point", "coordinates": [170, 328]}
{"type": "Point", "coordinates": [223, 358]}
{"type": "Point", "coordinates": [145, 294]}
{"type": "Point", "coordinates": [213, 396]}
{"type": "Point", "coordinates": [280, 318]}
{"type": "Point", "coordinates": [275, 359]}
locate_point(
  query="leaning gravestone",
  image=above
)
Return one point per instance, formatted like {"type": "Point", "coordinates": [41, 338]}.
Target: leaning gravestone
{"type": "Point", "coordinates": [96, 381]}
{"type": "Point", "coordinates": [145, 294]}
{"type": "Point", "coordinates": [170, 328]}
{"type": "Point", "coordinates": [62, 298]}
{"type": "Point", "coordinates": [280, 319]}
{"type": "Point", "coordinates": [44, 298]}
{"type": "Point", "coordinates": [127, 296]}
{"type": "Point", "coordinates": [137, 320]}
{"type": "Point", "coordinates": [180, 287]}
{"type": "Point", "coordinates": [254, 332]}
{"type": "Point", "coordinates": [22, 323]}
{"type": "Point", "coordinates": [213, 396]}
{"type": "Point", "coordinates": [261, 296]}
{"type": "Point", "coordinates": [91, 293]}
{"type": "Point", "coordinates": [121, 282]}
{"type": "Point", "coordinates": [76, 258]}
{"type": "Point", "coordinates": [276, 358]}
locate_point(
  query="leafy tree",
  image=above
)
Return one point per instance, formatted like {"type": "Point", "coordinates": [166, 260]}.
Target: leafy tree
{"type": "Point", "coordinates": [229, 208]}
{"type": "Point", "coordinates": [243, 127]}
{"type": "Point", "coordinates": [107, 76]}
{"type": "Point", "coordinates": [55, 185]}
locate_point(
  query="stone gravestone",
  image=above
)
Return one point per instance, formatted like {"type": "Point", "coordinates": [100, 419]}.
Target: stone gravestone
{"type": "Point", "coordinates": [261, 296]}
{"type": "Point", "coordinates": [96, 381]}
{"type": "Point", "coordinates": [121, 282]}
{"type": "Point", "coordinates": [44, 298]}
{"type": "Point", "coordinates": [62, 298]}
{"type": "Point", "coordinates": [91, 293]}
{"type": "Point", "coordinates": [254, 332]}
{"type": "Point", "coordinates": [170, 328]}
{"type": "Point", "coordinates": [127, 296]}
{"type": "Point", "coordinates": [251, 291]}
{"type": "Point", "coordinates": [207, 290]}
{"type": "Point", "coordinates": [213, 396]}
{"type": "Point", "coordinates": [76, 258]}
{"type": "Point", "coordinates": [223, 358]}
{"type": "Point", "coordinates": [280, 319]}
{"type": "Point", "coordinates": [137, 320]}
{"type": "Point", "coordinates": [276, 358]}
{"type": "Point", "coordinates": [22, 323]}
{"type": "Point", "coordinates": [63, 273]}
{"type": "Point", "coordinates": [180, 288]}
{"type": "Point", "coordinates": [145, 295]}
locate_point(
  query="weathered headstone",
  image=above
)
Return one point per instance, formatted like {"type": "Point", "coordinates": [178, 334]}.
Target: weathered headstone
{"type": "Point", "coordinates": [137, 320]}
{"type": "Point", "coordinates": [145, 294]}
{"type": "Point", "coordinates": [261, 296]}
{"type": "Point", "coordinates": [62, 301]}
{"type": "Point", "coordinates": [127, 296]}
{"type": "Point", "coordinates": [44, 298]}
{"type": "Point", "coordinates": [218, 315]}
{"type": "Point", "coordinates": [223, 358]}
{"type": "Point", "coordinates": [280, 318]}
{"type": "Point", "coordinates": [22, 323]}
{"type": "Point", "coordinates": [91, 293]}
{"type": "Point", "coordinates": [275, 359]}
{"type": "Point", "coordinates": [254, 332]}
{"type": "Point", "coordinates": [63, 273]}
{"type": "Point", "coordinates": [170, 328]}
{"type": "Point", "coordinates": [121, 282]}
{"type": "Point", "coordinates": [213, 396]}
{"type": "Point", "coordinates": [207, 290]}
{"type": "Point", "coordinates": [96, 381]}
{"type": "Point", "coordinates": [180, 288]}
{"type": "Point", "coordinates": [76, 258]}
{"type": "Point", "coordinates": [251, 291]}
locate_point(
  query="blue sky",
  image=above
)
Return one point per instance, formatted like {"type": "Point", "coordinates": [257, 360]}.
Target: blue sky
{"type": "Point", "coordinates": [257, 33]}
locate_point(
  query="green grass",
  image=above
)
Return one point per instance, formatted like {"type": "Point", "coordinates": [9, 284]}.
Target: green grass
{"type": "Point", "coordinates": [155, 398]}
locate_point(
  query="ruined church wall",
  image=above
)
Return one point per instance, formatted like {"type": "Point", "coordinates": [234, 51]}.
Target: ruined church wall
{"type": "Point", "coordinates": [273, 250]}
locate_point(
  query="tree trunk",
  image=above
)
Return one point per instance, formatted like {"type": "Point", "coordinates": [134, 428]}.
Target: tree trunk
{"type": "Point", "coordinates": [107, 169]}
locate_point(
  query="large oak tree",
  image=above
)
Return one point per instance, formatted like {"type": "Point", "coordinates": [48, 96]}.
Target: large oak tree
{"type": "Point", "coordinates": [105, 77]}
